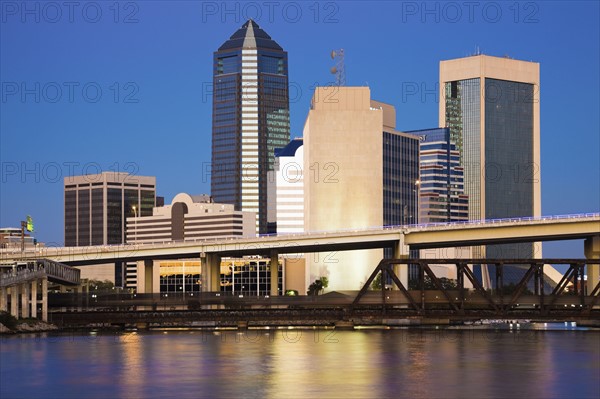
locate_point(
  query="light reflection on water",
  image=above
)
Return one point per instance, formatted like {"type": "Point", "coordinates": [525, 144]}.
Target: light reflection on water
{"type": "Point", "coordinates": [471, 363]}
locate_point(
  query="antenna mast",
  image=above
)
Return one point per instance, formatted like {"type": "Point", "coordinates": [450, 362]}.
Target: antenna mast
{"type": "Point", "coordinates": [338, 70]}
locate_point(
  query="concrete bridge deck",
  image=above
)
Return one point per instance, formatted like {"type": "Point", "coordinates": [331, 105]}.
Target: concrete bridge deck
{"type": "Point", "coordinates": [435, 235]}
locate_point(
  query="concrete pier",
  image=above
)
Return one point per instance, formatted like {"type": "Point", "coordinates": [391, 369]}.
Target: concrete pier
{"type": "Point", "coordinates": [19, 286]}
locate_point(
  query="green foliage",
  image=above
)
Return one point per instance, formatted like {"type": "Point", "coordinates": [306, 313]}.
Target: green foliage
{"type": "Point", "coordinates": [8, 320]}
{"type": "Point", "coordinates": [317, 286]}
{"type": "Point", "coordinates": [447, 284]}
{"type": "Point", "coordinates": [101, 286]}
{"type": "Point", "coordinates": [376, 284]}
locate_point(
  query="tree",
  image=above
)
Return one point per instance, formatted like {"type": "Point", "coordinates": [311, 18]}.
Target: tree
{"type": "Point", "coordinates": [376, 284]}
{"type": "Point", "coordinates": [447, 284]}
{"type": "Point", "coordinates": [101, 286]}
{"type": "Point", "coordinates": [317, 286]}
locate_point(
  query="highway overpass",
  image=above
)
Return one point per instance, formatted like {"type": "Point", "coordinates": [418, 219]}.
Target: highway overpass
{"type": "Point", "coordinates": [401, 238]}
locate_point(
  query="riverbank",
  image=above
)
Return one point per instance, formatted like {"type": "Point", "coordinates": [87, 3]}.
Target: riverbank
{"type": "Point", "coordinates": [28, 326]}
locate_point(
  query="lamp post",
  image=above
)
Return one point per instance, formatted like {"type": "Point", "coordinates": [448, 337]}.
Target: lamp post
{"type": "Point", "coordinates": [134, 224]}
{"type": "Point", "coordinates": [23, 226]}
{"type": "Point", "coordinates": [232, 278]}
{"type": "Point", "coordinates": [418, 191]}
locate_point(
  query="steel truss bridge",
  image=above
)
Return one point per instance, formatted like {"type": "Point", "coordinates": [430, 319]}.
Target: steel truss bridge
{"type": "Point", "coordinates": [569, 295]}
{"type": "Point", "coordinates": [529, 299]}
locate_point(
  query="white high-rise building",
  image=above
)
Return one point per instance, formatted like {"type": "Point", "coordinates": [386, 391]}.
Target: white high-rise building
{"type": "Point", "coordinates": [289, 181]}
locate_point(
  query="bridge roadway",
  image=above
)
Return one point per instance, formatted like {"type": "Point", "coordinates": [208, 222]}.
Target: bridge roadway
{"type": "Point", "coordinates": [436, 235]}
{"type": "Point", "coordinates": [401, 238]}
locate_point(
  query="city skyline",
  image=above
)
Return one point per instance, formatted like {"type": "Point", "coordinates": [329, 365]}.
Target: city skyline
{"type": "Point", "coordinates": [411, 90]}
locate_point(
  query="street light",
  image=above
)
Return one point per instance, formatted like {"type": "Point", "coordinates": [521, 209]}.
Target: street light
{"type": "Point", "coordinates": [134, 223]}
{"type": "Point", "coordinates": [418, 189]}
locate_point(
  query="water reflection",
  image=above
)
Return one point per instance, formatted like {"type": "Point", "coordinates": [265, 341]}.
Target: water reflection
{"type": "Point", "coordinates": [303, 363]}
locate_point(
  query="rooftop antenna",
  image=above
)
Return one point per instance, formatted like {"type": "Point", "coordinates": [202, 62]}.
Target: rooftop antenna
{"type": "Point", "coordinates": [338, 70]}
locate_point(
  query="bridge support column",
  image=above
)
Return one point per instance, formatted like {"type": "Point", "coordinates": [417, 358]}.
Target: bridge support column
{"type": "Point", "coordinates": [211, 273]}
{"type": "Point", "coordinates": [44, 299]}
{"type": "Point", "coordinates": [592, 251]}
{"type": "Point", "coordinates": [14, 300]}
{"type": "Point", "coordinates": [148, 277]}
{"type": "Point", "coordinates": [24, 300]}
{"type": "Point", "coordinates": [63, 290]}
{"type": "Point", "coordinates": [274, 273]}
{"type": "Point", "coordinates": [3, 300]}
{"type": "Point", "coordinates": [401, 251]}
{"type": "Point", "coordinates": [33, 290]}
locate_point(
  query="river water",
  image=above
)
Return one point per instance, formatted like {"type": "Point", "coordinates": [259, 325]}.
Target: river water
{"type": "Point", "coordinates": [415, 363]}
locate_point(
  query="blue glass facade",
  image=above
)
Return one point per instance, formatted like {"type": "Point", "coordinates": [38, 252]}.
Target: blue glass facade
{"type": "Point", "coordinates": [250, 73]}
{"type": "Point", "coordinates": [502, 186]}
{"type": "Point", "coordinates": [442, 197]}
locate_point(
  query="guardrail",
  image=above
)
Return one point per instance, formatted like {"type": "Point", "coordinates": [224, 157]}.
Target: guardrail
{"type": "Point", "coordinates": [57, 251]}
{"type": "Point", "coordinates": [39, 269]}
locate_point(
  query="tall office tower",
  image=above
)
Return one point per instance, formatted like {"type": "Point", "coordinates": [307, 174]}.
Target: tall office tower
{"type": "Point", "coordinates": [250, 118]}
{"type": "Point", "coordinates": [491, 106]}
{"type": "Point", "coordinates": [359, 172]}
{"type": "Point", "coordinates": [96, 208]}
{"type": "Point", "coordinates": [441, 189]}
{"type": "Point", "coordinates": [441, 195]}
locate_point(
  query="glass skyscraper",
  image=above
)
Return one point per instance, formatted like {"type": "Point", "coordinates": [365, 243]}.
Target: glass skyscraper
{"type": "Point", "coordinates": [491, 106]}
{"type": "Point", "coordinates": [250, 118]}
{"type": "Point", "coordinates": [441, 198]}
{"type": "Point", "coordinates": [400, 178]}
{"type": "Point", "coordinates": [400, 184]}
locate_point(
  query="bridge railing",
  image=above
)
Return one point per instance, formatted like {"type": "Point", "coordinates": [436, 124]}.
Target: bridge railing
{"type": "Point", "coordinates": [12, 278]}
{"type": "Point", "coordinates": [62, 272]}
{"type": "Point", "coordinates": [528, 219]}
{"type": "Point", "coordinates": [40, 269]}
{"type": "Point", "coordinates": [92, 250]}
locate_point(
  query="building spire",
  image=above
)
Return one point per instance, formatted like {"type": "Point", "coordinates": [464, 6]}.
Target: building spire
{"type": "Point", "coordinates": [250, 35]}
{"type": "Point", "coordinates": [249, 39]}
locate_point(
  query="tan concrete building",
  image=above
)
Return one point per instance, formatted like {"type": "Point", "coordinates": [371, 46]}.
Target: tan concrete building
{"type": "Point", "coordinates": [346, 136]}
{"type": "Point", "coordinates": [188, 218]}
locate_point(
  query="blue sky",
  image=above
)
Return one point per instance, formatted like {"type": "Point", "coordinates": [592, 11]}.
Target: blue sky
{"type": "Point", "coordinates": [104, 86]}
